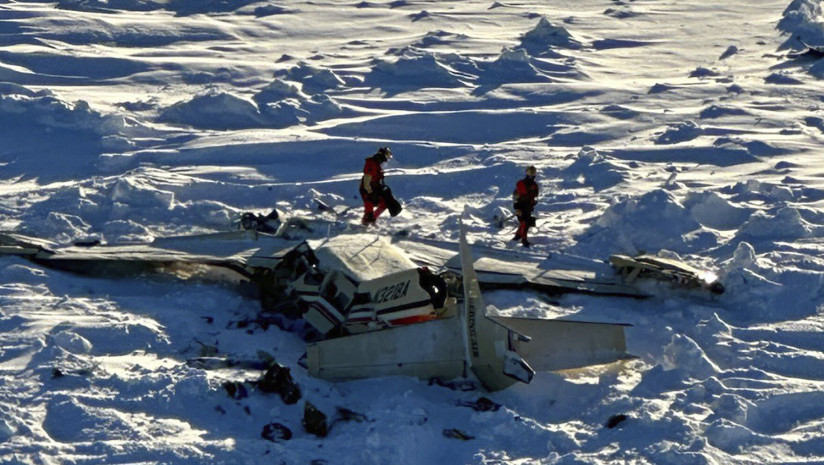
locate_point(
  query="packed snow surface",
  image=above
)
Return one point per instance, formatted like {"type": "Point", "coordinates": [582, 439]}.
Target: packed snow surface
{"type": "Point", "coordinates": [685, 128]}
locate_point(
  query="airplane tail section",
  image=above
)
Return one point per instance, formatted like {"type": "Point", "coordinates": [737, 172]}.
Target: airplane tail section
{"type": "Point", "coordinates": [502, 350]}
{"type": "Point", "coordinates": [551, 345]}
{"type": "Point", "coordinates": [490, 354]}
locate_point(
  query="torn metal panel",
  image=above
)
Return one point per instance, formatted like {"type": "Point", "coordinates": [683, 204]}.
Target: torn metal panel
{"type": "Point", "coordinates": [550, 345]}
{"type": "Point", "coordinates": [424, 350]}
{"type": "Point", "coordinates": [673, 270]}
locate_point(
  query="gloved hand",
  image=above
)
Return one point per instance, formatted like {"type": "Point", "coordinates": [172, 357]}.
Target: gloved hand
{"type": "Point", "coordinates": [518, 213]}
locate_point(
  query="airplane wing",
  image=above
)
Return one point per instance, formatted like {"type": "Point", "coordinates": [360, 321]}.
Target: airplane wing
{"type": "Point", "coordinates": [506, 269]}
{"type": "Point", "coordinates": [240, 251]}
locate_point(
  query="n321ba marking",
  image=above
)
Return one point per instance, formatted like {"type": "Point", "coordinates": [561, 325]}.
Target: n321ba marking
{"type": "Point", "coordinates": [395, 291]}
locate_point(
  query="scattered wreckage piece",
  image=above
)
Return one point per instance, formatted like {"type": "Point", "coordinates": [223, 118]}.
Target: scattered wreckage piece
{"type": "Point", "coordinates": [666, 269]}
{"type": "Point", "coordinates": [130, 260]}
{"type": "Point", "coordinates": [503, 269]}
{"type": "Point", "coordinates": [269, 223]}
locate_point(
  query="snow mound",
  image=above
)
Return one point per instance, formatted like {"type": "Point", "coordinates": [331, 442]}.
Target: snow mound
{"type": "Point", "coordinates": [322, 106]}
{"type": "Point", "coordinates": [21, 273]}
{"type": "Point", "coordinates": [620, 112]}
{"type": "Point", "coordinates": [593, 169]}
{"type": "Point", "coordinates": [54, 128]}
{"type": "Point", "coordinates": [681, 132]}
{"type": "Point", "coordinates": [280, 104]}
{"type": "Point", "coordinates": [743, 258]}
{"type": "Point", "coordinates": [653, 221]}
{"type": "Point", "coordinates": [283, 104]}
{"type": "Point", "coordinates": [540, 39]}
{"type": "Point", "coordinates": [718, 111]}
{"type": "Point", "coordinates": [69, 421]}
{"type": "Point", "coordinates": [702, 72]}
{"type": "Point", "coordinates": [786, 412]}
{"type": "Point", "coordinates": [71, 342]}
{"type": "Point", "coordinates": [64, 227]}
{"type": "Point", "coordinates": [187, 8]}
{"type": "Point", "coordinates": [774, 286]}
{"type": "Point", "coordinates": [621, 13]}
{"type": "Point", "coordinates": [802, 21]}
{"type": "Point", "coordinates": [116, 206]}
{"type": "Point", "coordinates": [515, 65]}
{"type": "Point", "coordinates": [440, 37]}
{"type": "Point", "coordinates": [761, 190]}
{"type": "Point", "coordinates": [817, 70]}
{"type": "Point", "coordinates": [313, 79]}
{"type": "Point", "coordinates": [685, 354]}
{"type": "Point", "coordinates": [512, 65]}
{"type": "Point", "coordinates": [278, 90]}
{"type": "Point", "coordinates": [70, 213]}
{"type": "Point", "coordinates": [136, 193]}
{"type": "Point", "coordinates": [108, 5]}
{"type": "Point", "coordinates": [269, 10]}
{"type": "Point", "coordinates": [713, 211]}
{"type": "Point", "coordinates": [731, 437]}
{"type": "Point", "coordinates": [414, 69]}
{"type": "Point", "coordinates": [784, 224]}
{"type": "Point", "coordinates": [284, 113]}
{"type": "Point", "coordinates": [6, 430]}
{"type": "Point", "coordinates": [126, 231]}
{"type": "Point", "coordinates": [782, 78]}
{"type": "Point", "coordinates": [754, 147]}
{"type": "Point", "coordinates": [9, 89]}
{"type": "Point", "coordinates": [207, 213]}
{"type": "Point", "coordinates": [213, 110]}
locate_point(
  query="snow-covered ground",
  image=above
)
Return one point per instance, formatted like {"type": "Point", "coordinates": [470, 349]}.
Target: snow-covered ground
{"type": "Point", "coordinates": [667, 126]}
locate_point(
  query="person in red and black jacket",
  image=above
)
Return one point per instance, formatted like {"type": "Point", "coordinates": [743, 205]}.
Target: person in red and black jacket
{"type": "Point", "coordinates": [524, 199]}
{"type": "Point", "coordinates": [372, 185]}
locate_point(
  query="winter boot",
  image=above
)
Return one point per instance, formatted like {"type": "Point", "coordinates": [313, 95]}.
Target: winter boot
{"type": "Point", "coordinates": [524, 242]}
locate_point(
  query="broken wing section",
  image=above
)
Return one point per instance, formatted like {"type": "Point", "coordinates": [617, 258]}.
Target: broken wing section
{"type": "Point", "coordinates": [551, 345]}
{"type": "Point", "coordinates": [424, 350]}
{"type": "Point", "coordinates": [506, 269]}
{"type": "Point", "coordinates": [673, 270]}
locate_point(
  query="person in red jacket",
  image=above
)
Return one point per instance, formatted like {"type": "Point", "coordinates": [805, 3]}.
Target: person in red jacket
{"type": "Point", "coordinates": [524, 199]}
{"type": "Point", "coordinates": [372, 185]}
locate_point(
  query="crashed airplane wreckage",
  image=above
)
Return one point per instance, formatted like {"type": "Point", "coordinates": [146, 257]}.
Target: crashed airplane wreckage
{"type": "Point", "coordinates": [379, 308]}
{"type": "Point", "coordinates": [665, 269]}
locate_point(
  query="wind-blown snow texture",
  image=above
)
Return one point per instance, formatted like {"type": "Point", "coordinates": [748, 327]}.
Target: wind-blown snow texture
{"type": "Point", "coordinates": [686, 128]}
